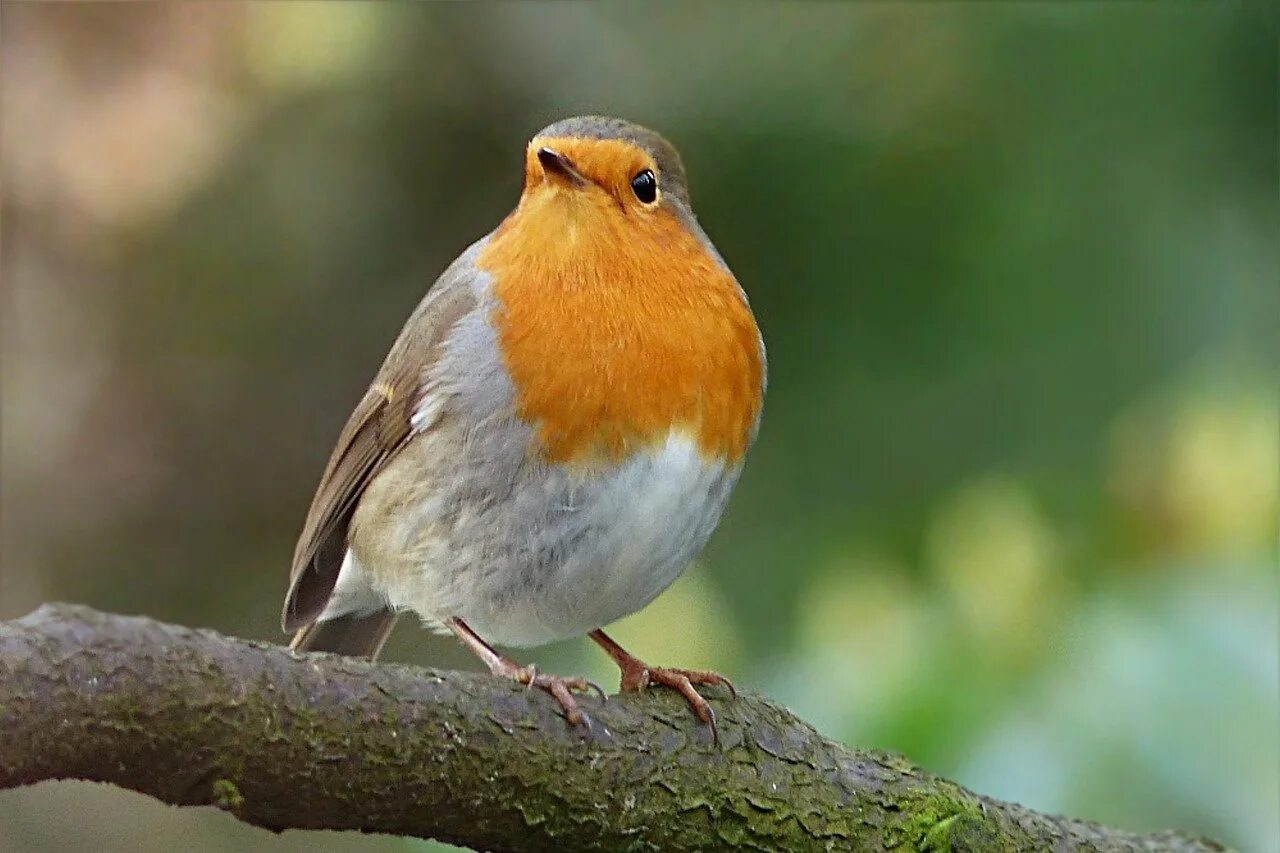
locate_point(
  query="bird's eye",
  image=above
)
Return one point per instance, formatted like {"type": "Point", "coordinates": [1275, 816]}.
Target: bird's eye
{"type": "Point", "coordinates": [645, 186]}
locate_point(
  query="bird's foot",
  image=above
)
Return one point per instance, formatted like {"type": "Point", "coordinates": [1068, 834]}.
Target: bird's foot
{"type": "Point", "coordinates": [636, 676]}
{"type": "Point", "coordinates": [560, 687]}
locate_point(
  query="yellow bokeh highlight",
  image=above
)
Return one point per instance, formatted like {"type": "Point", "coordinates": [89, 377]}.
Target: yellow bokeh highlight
{"type": "Point", "coordinates": [1222, 473]}
{"type": "Point", "coordinates": [1201, 475]}
{"type": "Point", "coordinates": [866, 623]}
{"type": "Point", "coordinates": [306, 44]}
{"type": "Point", "coordinates": [995, 558]}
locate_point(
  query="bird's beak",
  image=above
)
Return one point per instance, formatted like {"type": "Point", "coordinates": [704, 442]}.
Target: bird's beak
{"type": "Point", "coordinates": [559, 167]}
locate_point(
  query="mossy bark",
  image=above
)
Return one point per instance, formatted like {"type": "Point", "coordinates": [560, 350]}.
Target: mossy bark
{"type": "Point", "coordinates": [285, 740]}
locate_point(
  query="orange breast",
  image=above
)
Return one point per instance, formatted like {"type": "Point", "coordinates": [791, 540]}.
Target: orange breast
{"type": "Point", "coordinates": [618, 329]}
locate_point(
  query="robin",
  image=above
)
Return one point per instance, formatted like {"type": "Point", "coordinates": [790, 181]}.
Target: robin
{"type": "Point", "coordinates": [555, 432]}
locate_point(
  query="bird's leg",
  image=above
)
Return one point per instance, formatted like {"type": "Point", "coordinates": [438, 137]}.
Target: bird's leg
{"type": "Point", "coordinates": [559, 687]}
{"type": "Point", "coordinates": [637, 675]}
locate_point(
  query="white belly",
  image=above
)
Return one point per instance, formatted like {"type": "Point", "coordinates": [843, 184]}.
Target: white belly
{"type": "Point", "coordinates": [557, 554]}
{"type": "Point", "coordinates": [649, 521]}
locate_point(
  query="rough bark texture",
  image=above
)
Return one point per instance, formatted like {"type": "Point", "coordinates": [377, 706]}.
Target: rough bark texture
{"type": "Point", "coordinates": [284, 740]}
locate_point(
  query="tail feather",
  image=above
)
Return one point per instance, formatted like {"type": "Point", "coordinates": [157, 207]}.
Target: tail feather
{"type": "Point", "coordinates": [352, 634]}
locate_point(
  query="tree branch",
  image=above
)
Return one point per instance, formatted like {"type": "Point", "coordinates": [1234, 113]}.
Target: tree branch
{"type": "Point", "coordinates": [283, 740]}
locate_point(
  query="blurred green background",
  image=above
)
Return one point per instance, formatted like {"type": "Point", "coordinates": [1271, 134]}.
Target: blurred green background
{"type": "Point", "coordinates": [1013, 506]}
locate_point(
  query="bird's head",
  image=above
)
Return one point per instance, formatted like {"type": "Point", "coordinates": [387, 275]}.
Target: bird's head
{"type": "Point", "coordinates": [635, 167]}
{"type": "Point", "coordinates": [594, 175]}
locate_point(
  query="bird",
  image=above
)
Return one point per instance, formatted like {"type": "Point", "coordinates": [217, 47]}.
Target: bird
{"type": "Point", "coordinates": [555, 432]}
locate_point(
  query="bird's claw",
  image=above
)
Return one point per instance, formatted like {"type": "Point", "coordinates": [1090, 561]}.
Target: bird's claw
{"type": "Point", "coordinates": [682, 681]}
{"type": "Point", "coordinates": [560, 687]}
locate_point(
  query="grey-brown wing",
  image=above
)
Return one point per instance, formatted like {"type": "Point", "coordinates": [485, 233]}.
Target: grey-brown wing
{"type": "Point", "coordinates": [377, 430]}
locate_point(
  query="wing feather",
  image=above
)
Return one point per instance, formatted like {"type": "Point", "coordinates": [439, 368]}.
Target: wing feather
{"type": "Point", "coordinates": [380, 426]}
